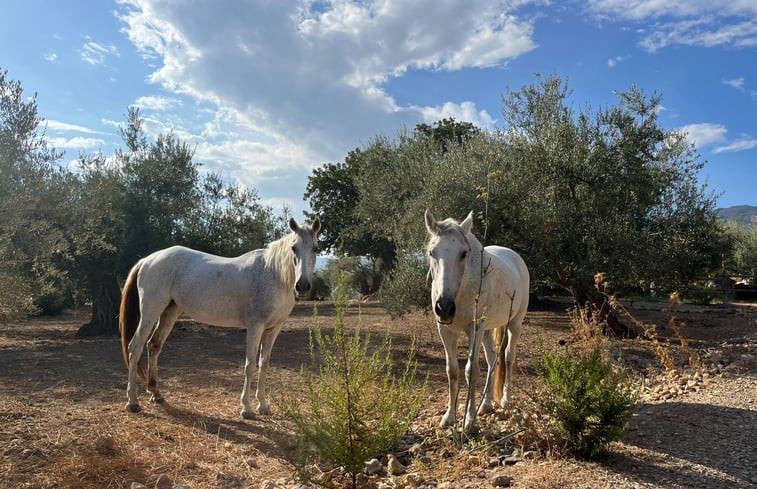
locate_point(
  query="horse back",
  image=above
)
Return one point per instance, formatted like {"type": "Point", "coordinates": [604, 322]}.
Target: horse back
{"type": "Point", "coordinates": [509, 274]}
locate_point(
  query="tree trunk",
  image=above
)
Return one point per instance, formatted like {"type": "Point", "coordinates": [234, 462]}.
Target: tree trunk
{"type": "Point", "coordinates": [596, 305]}
{"type": "Point", "coordinates": [106, 299]}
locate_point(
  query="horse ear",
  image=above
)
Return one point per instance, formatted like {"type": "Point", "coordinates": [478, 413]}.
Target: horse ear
{"type": "Point", "coordinates": [431, 225]}
{"type": "Point", "coordinates": [467, 223]}
{"type": "Point", "coordinates": [316, 226]}
{"type": "Point", "coordinates": [293, 224]}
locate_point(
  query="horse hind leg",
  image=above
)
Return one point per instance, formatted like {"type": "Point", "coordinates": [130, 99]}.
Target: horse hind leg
{"type": "Point", "coordinates": [513, 336]}
{"type": "Point", "coordinates": [136, 347]}
{"type": "Point", "coordinates": [154, 347]}
{"type": "Point", "coordinates": [490, 352]}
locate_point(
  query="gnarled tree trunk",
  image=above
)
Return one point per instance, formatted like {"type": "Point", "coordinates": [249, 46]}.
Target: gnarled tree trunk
{"type": "Point", "coordinates": [106, 298]}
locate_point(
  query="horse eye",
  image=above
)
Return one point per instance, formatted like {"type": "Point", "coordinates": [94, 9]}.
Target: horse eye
{"type": "Point", "coordinates": [463, 255]}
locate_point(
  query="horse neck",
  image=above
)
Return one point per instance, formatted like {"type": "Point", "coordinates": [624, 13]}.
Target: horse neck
{"type": "Point", "coordinates": [475, 256]}
{"type": "Point", "coordinates": [279, 258]}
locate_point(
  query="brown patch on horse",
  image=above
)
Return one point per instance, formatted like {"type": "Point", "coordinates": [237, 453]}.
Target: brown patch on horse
{"type": "Point", "coordinates": [129, 316]}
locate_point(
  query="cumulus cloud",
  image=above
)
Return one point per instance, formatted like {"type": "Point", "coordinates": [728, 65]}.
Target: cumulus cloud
{"type": "Point", "coordinates": [704, 134]}
{"type": "Point", "coordinates": [297, 83]}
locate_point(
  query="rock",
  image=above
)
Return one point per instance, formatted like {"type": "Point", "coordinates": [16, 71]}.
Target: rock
{"type": "Point", "coordinates": [374, 467]}
{"type": "Point", "coordinates": [414, 479]}
{"type": "Point", "coordinates": [104, 443]}
{"type": "Point", "coordinates": [252, 463]}
{"type": "Point", "coordinates": [510, 460]}
{"type": "Point", "coordinates": [502, 481]}
{"type": "Point", "coordinates": [394, 466]}
{"type": "Point", "coordinates": [163, 482]}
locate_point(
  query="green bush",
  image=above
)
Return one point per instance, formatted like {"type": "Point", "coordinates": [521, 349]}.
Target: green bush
{"type": "Point", "coordinates": [357, 407]}
{"type": "Point", "coordinates": [589, 403]}
{"type": "Point", "coordinates": [406, 288]}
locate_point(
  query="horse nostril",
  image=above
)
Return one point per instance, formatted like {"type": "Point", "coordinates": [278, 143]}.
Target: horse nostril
{"type": "Point", "coordinates": [438, 308]}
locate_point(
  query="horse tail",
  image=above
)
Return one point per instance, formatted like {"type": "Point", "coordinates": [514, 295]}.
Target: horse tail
{"type": "Point", "coordinates": [500, 335]}
{"type": "Point", "coordinates": [129, 316]}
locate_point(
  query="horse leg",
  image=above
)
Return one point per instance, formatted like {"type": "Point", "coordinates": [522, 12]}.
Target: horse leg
{"type": "Point", "coordinates": [155, 345]}
{"type": "Point", "coordinates": [449, 340]}
{"type": "Point", "coordinates": [513, 335]}
{"type": "Point", "coordinates": [136, 346]}
{"type": "Point", "coordinates": [254, 334]}
{"type": "Point", "coordinates": [490, 352]}
{"type": "Point", "coordinates": [266, 344]}
{"type": "Point", "coordinates": [471, 375]}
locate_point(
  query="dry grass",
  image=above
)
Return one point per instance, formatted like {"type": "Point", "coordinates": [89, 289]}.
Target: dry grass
{"type": "Point", "coordinates": [63, 422]}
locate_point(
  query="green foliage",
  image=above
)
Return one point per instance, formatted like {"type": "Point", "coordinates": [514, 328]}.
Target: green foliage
{"type": "Point", "coordinates": [744, 239]}
{"type": "Point", "coordinates": [357, 407]}
{"type": "Point", "coordinates": [407, 287]}
{"type": "Point", "coordinates": [589, 403]}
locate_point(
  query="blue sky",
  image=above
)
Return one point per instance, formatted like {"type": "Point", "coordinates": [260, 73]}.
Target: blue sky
{"type": "Point", "coordinates": [267, 91]}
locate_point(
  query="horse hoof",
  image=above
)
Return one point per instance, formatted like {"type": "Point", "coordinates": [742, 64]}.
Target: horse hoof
{"type": "Point", "coordinates": [485, 409]}
{"type": "Point", "coordinates": [134, 408]}
{"type": "Point", "coordinates": [264, 410]}
{"type": "Point", "coordinates": [248, 414]}
{"type": "Point", "coordinates": [157, 399]}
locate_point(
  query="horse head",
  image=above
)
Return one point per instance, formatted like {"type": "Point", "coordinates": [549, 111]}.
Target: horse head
{"type": "Point", "coordinates": [304, 249]}
{"type": "Point", "coordinates": [448, 251]}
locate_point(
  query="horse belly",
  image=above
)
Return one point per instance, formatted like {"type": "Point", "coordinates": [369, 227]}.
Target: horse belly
{"type": "Point", "coordinates": [221, 311]}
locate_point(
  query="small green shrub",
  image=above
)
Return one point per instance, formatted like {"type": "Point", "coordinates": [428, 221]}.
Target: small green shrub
{"type": "Point", "coordinates": [589, 403]}
{"type": "Point", "coordinates": [357, 407]}
{"type": "Point", "coordinates": [406, 287]}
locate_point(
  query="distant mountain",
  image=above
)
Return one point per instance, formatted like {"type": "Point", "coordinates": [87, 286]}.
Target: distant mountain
{"type": "Point", "coordinates": [743, 213]}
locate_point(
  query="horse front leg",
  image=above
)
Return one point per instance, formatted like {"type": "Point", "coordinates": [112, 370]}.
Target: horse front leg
{"type": "Point", "coordinates": [449, 340]}
{"type": "Point", "coordinates": [269, 337]}
{"type": "Point", "coordinates": [490, 352]}
{"type": "Point", "coordinates": [254, 333]}
{"type": "Point", "coordinates": [471, 375]}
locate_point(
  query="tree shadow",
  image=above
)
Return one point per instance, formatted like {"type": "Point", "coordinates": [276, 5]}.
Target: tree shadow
{"type": "Point", "coordinates": [715, 443]}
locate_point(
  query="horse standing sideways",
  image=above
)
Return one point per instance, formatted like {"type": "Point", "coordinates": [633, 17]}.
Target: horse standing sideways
{"type": "Point", "coordinates": [255, 290]}
{"type": "Point", "coordinates": [455, 265]}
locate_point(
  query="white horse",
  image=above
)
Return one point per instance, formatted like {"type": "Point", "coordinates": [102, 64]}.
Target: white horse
{"type": "Point", "coordinates": [455, 265]}
{"type": "Point", "coordinates": [255, 291]}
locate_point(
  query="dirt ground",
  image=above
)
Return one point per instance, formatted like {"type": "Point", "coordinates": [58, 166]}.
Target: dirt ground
{"type": "Point", "coordinates": [63, 422]}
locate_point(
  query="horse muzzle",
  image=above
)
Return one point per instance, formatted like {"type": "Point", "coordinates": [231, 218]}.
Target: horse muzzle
{"type": "Point", "coordinates": [302, 288]}
{"type": "Point", "coordinates": [445, 310]}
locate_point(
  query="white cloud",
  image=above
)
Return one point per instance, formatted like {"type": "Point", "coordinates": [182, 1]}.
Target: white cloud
{"type": "Point", "coordinates": [65, 127]}
{"type": "Point", "coordinates": [743, 143]}
{"type": "Point", "coordinates": [157, 103]}
{"type": "Point", "coordinates": [76, 143]}
{"type": "Point", "coordinates": [613, 62]}
{"type": "Point", "coordinates": [298, 83]}
{"type": "Point", "coordinates": [95, 53]}
{"type": "Point", "coordinates": [50, 57]}
{"type": "Point", "coordinates": [465, 112]}
{"type": "Point", "coordinates": [730, 23]}
{"type": "Point", "coordinates": [737, 83]}
{"type": "Point", "coordinates": [707, 134]}
{"type": "Point", "coordinates": [704, 134]}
